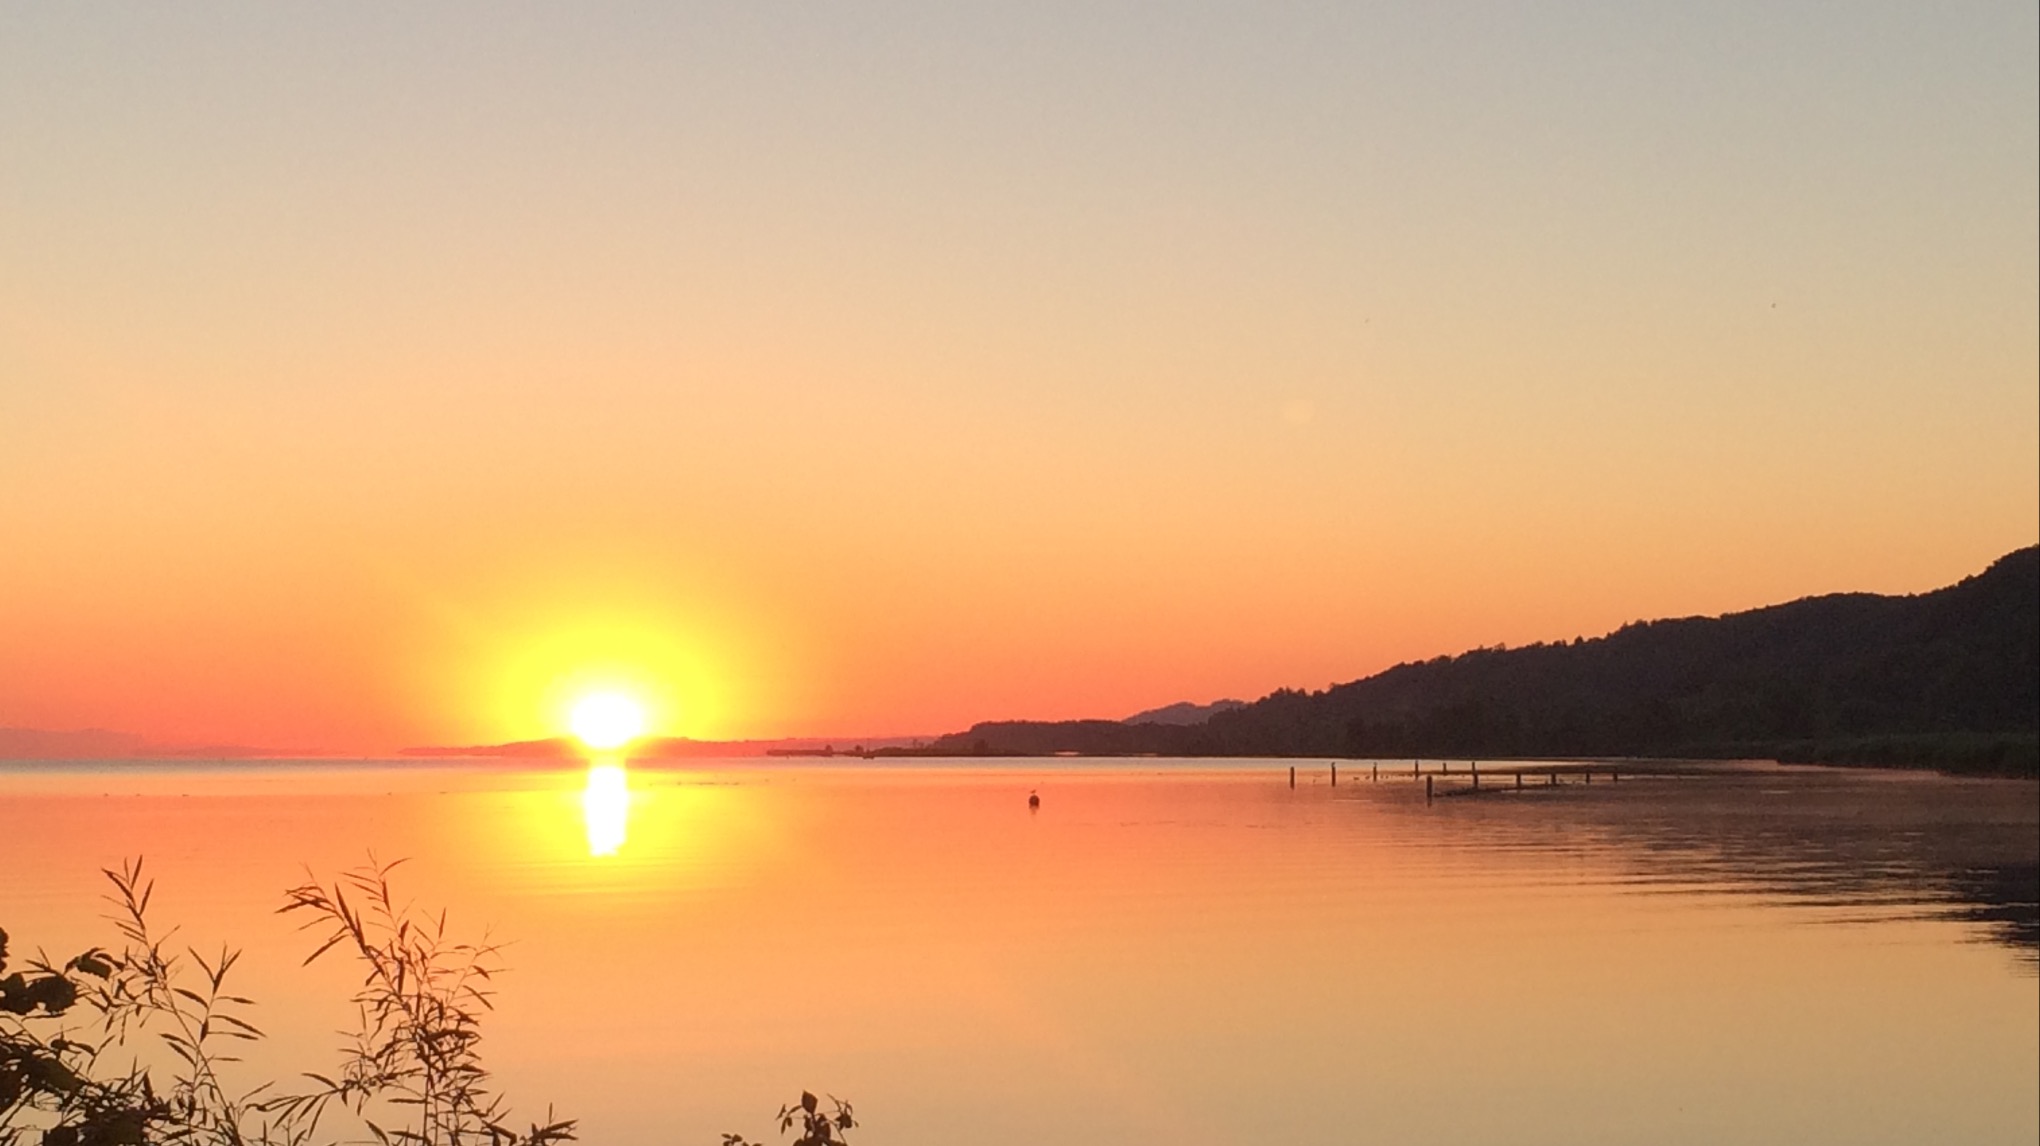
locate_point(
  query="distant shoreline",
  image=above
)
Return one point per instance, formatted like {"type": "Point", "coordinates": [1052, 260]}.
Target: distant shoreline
{"type": "Point", "coordinates": [1945, 681]}
{"type": "Point", "coordinates": [910, 757]}
{"type": "Point", "coordinates": [2011, 755]}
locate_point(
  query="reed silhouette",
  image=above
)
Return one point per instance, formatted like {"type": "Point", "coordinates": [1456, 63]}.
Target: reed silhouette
{"type": "Point", "coordinates": [152, 1065]}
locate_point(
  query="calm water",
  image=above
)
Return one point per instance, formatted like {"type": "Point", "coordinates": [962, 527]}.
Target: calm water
{"type": "Point", "coordinates": [1163, 952]}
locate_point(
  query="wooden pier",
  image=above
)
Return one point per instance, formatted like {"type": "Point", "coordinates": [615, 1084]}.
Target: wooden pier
{"type": "Point", "coordinates": [1443, 779]}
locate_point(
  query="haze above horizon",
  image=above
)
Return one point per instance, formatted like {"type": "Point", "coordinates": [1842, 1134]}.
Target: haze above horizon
{"type": "Point", "coordinates": [373, 378]}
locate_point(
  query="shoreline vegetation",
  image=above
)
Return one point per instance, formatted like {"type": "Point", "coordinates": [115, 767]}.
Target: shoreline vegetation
{"type": "Point", "coordinates": [156, 1062]}
{"type": "Point", "coordinates": [2008, 756]}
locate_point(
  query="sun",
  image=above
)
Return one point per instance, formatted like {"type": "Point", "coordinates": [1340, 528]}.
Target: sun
{"type": "Point", "coordinates": [607, 720]}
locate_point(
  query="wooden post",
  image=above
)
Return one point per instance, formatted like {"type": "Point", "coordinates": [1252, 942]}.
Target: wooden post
{"type": "Point", "coordinates": [1335, 774]}
{"type": "Point", "coordinates": [1519, 781]}
{"type": "Point", "coordinates": [1414, 769]}
{"type": "Point", "coordinates": [1551, 778]}
{"type": "Point", "coordinates": [1427, 789]}
{"type": "Point", "coordinates": [1613, 775]}
{"type": "Point", "coordinates": [1292, 775]}
{"type": "Point", "coordinates": [1589, 774]}
{"type": "Point", "coordinates": [1374, 773]}
{"type": "Point", "coordinates": [1476, 779]}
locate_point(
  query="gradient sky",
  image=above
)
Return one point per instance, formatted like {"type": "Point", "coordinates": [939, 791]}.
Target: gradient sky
{"type": "Point", "coordinates": [380, 374]}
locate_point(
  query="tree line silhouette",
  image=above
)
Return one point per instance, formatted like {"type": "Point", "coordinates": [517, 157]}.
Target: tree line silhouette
{"type": "Point", "coordinates": [1947, 679]}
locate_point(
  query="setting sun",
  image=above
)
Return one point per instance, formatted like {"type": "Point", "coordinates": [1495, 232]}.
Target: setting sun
{"type": "Point", "coordinates": [607, 720]}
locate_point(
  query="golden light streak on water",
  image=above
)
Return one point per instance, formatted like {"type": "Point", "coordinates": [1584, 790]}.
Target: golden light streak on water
{"type": "Point", "coordinates": [605, 807]}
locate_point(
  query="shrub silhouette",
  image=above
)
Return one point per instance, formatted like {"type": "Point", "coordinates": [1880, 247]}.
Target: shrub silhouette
{"type": "Point", "coordinates": [411, 1074]}
{"type": "Point", "coordinates": [817, 1127]}
{"type": "Point", "coordinates": [414, 1055]}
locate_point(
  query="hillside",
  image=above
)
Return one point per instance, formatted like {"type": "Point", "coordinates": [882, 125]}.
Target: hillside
{"type": "Point", "coordinates": [1949, 679]}
{"type": "Point", "coordinates": [1184, 712]}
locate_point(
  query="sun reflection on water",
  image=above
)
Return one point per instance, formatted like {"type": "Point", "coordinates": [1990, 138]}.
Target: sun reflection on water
{"type": "Point", "coordinates": [605, 807]}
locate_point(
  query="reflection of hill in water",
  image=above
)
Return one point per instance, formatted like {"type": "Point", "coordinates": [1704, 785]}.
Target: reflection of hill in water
{"type": "Point", "coordinates": [1888, 844]}
{"type": "Point", "coordinates": [2006, 899]}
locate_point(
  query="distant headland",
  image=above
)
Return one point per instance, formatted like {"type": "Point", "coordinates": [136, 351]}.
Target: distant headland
{"type": "Point", "coordinates": [1948, 679]}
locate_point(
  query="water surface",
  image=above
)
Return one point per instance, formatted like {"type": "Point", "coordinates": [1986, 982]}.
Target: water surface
{"type": "Point", "coordinates": [1164, 951]}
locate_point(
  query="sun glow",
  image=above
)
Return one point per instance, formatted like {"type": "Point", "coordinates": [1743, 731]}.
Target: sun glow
{"type": "Point", "coordinates": [532, 666]}
{"type": "Point", "coordinates": [606, 721]}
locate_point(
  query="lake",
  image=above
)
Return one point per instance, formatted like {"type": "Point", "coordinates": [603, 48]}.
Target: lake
{"type": "Point", "coordinates": [1164, 951]}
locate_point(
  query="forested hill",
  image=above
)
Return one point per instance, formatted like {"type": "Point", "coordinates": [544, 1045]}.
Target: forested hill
{"type": "Point", "coordinates": [1949, 678]}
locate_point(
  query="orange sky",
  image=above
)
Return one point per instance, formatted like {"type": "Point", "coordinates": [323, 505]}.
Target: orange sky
{"type": "Point", "coordinates": [374, 380]}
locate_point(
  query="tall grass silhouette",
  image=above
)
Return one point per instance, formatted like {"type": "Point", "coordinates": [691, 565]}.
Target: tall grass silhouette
{"type": "Point", "coordinates": [151, 1066]}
